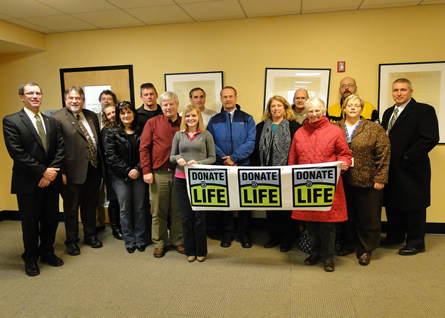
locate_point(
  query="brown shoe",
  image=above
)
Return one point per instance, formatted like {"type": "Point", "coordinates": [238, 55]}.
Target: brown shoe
{"type": "Point", "coordinates": [180, 249]}
{"type": "Point", "coordinates": [364, 259]}
{"type": "Point", "coordinates": [158, 252]}
{"type": "Point", "coordinates": [329, 265]}
{"type": "Point", "coordinates": [312, 260]}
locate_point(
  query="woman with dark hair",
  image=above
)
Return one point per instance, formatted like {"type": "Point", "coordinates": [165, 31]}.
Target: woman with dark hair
{"type": "Point", "coordinates": [272, 145]}
{"type": "Point", "coordinates": [122, 153]}
{"type": "Point", "coordinates": [191, 145]}
{"type": "Point", "coordinates": [108, 121]}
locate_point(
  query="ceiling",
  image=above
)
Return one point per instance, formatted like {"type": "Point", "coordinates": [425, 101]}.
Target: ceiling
{"type": "Point", "coordinates": [51, 16]}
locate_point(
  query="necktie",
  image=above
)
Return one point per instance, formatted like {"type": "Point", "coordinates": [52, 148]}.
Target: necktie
{"type": "Point", "coordinates": [40, 130]}
{"type": "Point", "coordinates": [393, 119]}
{"type": "Point", "coordinates": [92, 152]}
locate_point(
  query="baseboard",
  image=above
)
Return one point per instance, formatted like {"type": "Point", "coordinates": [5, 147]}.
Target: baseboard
{"type": "Point", "coordinates": [431, 228]}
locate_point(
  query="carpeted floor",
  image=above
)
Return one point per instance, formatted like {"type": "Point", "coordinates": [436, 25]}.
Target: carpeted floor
{"type": "Point", "coordinates": [232, 282]}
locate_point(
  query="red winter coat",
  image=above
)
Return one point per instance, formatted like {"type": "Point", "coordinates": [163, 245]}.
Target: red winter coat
{"type": "Point", "coordinates": [321, 142]}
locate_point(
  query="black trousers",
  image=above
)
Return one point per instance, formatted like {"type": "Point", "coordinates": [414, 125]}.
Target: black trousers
{"type": "Point", "coordinates": [282, 227]}
{"type": "Point", "coordinates": [407, 225]}
{"type": "Point", "coordinates": [39, 214]}
{"type": "Point", "coordinates": [85, 197]}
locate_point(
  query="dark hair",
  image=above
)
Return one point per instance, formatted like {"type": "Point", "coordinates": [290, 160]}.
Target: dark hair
{"type": "Point", "coordinates": [76, 89]}
{"type": "Point", "coordinates": [147, 86]}
{"type": "Point", "coordinates": [231, 87]}
{"type": "Point", "coordinates": [196, 89]}
{"type": "Point", "coordinates": [22, 87]}
{"type": "Point", "coordinates": [108, 92]}
{"type": "Point", "coordinates": [126, 105]}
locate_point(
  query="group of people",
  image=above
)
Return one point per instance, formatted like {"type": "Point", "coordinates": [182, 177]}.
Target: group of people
{"type": "Point", "coordinates": [141, 153]}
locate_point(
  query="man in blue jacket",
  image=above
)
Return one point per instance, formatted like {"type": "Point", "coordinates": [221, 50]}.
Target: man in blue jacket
{"type": "Point", "coordinates": [234, 133]}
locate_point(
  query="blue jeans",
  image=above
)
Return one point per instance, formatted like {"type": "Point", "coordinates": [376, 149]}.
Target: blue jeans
{"type": "Point", "coordinates": [133, 202]}
{"type": "Point", "coordinates": [193, 223]}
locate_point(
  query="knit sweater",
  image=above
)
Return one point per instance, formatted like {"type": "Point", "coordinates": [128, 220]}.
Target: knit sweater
{"type": "Point", "coordinates": [201, 148]}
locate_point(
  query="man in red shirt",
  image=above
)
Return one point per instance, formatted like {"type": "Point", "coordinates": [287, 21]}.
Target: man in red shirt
{"type": "Point", "coordinates": [158, 171]}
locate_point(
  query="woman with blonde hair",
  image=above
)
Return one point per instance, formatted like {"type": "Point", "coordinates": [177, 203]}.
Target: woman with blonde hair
{"type": "Point", "coordinates": [272, 144]}
{"type": "Point", "coordinates": [191, 145]}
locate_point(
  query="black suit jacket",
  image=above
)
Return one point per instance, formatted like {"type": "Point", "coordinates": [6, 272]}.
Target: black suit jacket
{"type": "Point", "coordinates": [75, 164]}
{"type": "Point", "coordinates": [412, 136]}
{"type": "Point", "coordinates": [26, 149]}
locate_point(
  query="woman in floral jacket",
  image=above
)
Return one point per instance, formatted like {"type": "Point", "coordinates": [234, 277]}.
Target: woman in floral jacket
{"type": "Point", "coordinates": [364, 181]}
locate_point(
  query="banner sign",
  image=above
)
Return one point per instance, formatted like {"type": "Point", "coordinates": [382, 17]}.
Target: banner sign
{"type": "Point", "coordinates": [300, 187]}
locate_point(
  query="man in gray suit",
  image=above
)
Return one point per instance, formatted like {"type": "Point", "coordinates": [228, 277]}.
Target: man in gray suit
{"type": "Point", "coordinates": [81, 170]}
{"type": "Point", "coordinates": [35, 143]}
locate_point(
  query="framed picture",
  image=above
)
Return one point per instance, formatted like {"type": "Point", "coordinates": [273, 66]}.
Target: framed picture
{"type": "Point", "coordinates": [182, 83]}
{"type": "Point", "coordinates": [428, 80]}
{"type": "Point", "coordinates": [285, 81]}
{"type": "Point", "coordinates": [93, 80]}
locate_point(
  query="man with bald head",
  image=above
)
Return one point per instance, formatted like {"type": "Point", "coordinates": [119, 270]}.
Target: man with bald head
{"type": "Point", "coordinates": [348, 86]}
{"type": "Point", "coordinates": [300, 97]}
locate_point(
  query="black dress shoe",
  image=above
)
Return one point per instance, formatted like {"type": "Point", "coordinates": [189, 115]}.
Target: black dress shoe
{"type": "Point", "coordinates": [32, 269]}
{"type": "Point", "coordinates": [73, 249]}
{"type": "Point", "coordinates": [212, 235]}
{"type": "Point", "coordinates": [312, 259]}
{"type": "Point", "coordinates": [117, 234]}
{"type": "Point", "coordinates": [408, 250]}
{"type": "Point", "coordinates": [285, 248]}
{"type": "Point", "coordinates": [141, 248]}
{"type": "Point", "coordinates": [225, 243]}
{"type": "Point", "coordinates": [131, 249]}
{"type": "Point", "coordinates": [271, 243]}
{"type": "Point", "coordinates": [246, 243]}
{"type": "Point", "coordinates": [52, 260]}
{"type": "Point", "coordinates": [93, 242]}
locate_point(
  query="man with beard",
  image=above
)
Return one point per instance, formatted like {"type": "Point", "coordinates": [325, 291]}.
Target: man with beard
{"type": "Point", "coordinates": [348, 86]}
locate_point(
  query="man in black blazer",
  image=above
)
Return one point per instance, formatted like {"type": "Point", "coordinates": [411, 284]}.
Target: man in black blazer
{"type": "Point", "coordinates": [81, 169]}
{"type": "Point", "coordinates": [413, 130]}
{"type": "Point", "coordinates": [34, 141]}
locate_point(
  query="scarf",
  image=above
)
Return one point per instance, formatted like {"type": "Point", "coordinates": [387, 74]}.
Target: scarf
{"type": "Point", "coordinates": [276, 143]}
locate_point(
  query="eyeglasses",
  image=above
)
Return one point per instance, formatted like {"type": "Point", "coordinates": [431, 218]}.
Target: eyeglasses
{"type": "Point", "coordinates": [123, 104]}
{"type": "Point", "coordinates": [353, 106]}
{"type": "Point", "coordinates": [347, 85]}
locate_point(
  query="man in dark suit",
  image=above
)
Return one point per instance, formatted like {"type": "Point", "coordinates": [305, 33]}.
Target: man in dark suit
{"type": "Point", "coordinates": [413, 130]}
{"type": "Point", "coordinates": [34, 141]}
{"type": "Point", "coordinates": [81, 169]}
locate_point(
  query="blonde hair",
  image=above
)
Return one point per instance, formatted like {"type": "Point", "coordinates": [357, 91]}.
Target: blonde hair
{"type": "Point", "coordinates": [288, 112]}
{"type": "Point", "coordinates": [187, 110]}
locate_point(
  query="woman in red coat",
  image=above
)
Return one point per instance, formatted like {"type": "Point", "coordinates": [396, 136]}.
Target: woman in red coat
{"type": "Point", "coordinates": [319, 141]}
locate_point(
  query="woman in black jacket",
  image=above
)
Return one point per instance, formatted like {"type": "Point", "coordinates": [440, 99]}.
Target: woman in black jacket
{"type": "Point", "coordinates": [272, 144]}
{"type": "Point", "coordinates": [122, 153]}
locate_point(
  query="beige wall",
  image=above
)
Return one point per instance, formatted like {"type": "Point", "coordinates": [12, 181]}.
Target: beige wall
{"type": "Point", "coordinates": [242, 49]}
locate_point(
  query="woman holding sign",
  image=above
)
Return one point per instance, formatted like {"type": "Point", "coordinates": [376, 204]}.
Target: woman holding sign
{"type": "Point", "coordinates": [273, 139]}
{"type": "Point", "coordinates": [364, 181]}
{"type": "Point", "coordinates": [191, 145]}
{"type": "Point", "coordinates": [319, 141]}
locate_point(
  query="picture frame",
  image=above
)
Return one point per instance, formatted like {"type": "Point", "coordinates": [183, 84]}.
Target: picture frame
{"type": "Point", "coordinates": [117, 78]}
{"type": "Point", "coordinates": [428, 80]}
{"type": "Point", "coordinates": [182, 83]}
{"type": "Point", "coordinates": [285, 81]}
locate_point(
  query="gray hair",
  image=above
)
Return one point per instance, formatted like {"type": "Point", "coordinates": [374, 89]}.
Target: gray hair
{"type": "Point", "coordinates": [315, 101]}
{"type": "Point", "coordinates": [168, 95]}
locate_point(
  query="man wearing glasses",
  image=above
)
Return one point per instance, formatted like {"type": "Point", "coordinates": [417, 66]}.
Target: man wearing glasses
{"type": "Point", "coordinates": [35, 144]}
{"type": "Point", "coordinates": [348, 86]}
